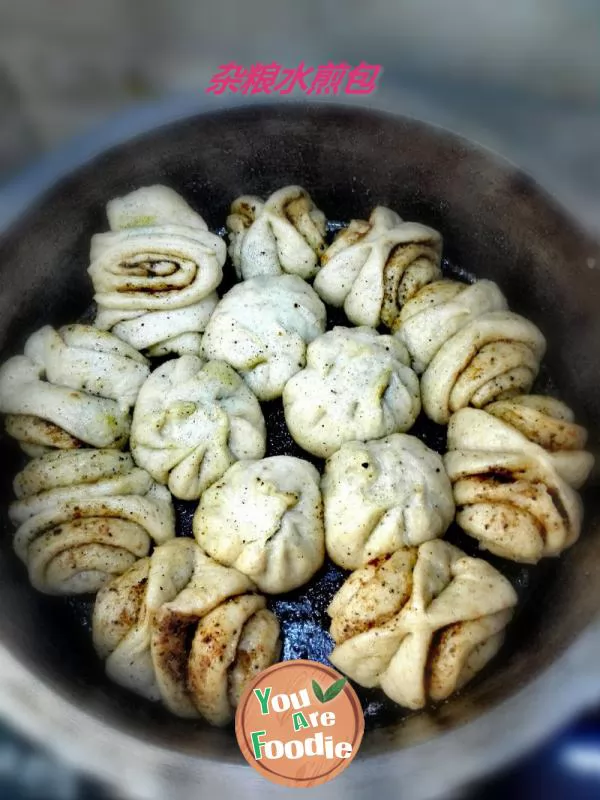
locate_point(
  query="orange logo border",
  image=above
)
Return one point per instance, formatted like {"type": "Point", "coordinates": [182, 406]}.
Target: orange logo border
{"type": "Point", "coordinates": [351, 707]}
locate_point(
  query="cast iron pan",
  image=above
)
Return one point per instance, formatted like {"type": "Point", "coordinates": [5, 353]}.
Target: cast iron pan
{"type": "Point", "coordinates": [495, 223]}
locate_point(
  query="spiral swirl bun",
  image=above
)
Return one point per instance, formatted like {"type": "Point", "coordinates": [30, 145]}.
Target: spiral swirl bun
{"type": "Point", "coordinates": [84, 516]}
{"type": "Point", "coordinates": [440, 310]}
{"type": "Point", "coordinates": [156, 272]}
{"type": "Point", "coordinates": [420, 623]}
{"type": "Point", "coordinates": [182, 629]}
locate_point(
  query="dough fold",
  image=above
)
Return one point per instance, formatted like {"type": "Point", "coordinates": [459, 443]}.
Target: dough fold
{"type": "Point", "coordinates": [357, 385]}
{"type": "Point", "coordinates": [181, 629]}
{"type": "Point", "coordinates": [265, 518]}
{"type": "Point", "coordinates": [382, 495]}
{"type": "Point", "coordinates": [551, 424]}
{"type": "Point", "coordinates": [494, 356]}
{"type": "Point", "coordinates": [84, 516]}
{"type": "Point", "coordinates": [283, 234]}
{"type": "Point", "coordinates": [156, 271]}
{"type": "Point", "coordinates": [373, 268]}
{"type": "Point", "coordinates": [192, 420]}
{"type": "Point", "coordinates": [420, 623]}
{"type": "Point", "coordinates": [439, 311]}
{"type": "Point", "coordinates": [73, 387]}
{"type": "Point", "coordinates": [508, 492]}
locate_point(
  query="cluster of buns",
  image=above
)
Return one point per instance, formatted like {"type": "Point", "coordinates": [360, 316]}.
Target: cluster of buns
{"type": "Point", "coordinates": [114, 438]}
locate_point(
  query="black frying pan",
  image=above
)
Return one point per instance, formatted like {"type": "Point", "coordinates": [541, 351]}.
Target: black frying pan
{"type": "Point", "coordinates": [496, 224]}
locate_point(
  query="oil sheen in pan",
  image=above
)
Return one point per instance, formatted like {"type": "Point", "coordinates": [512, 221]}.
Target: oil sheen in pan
{"type": "Point", "coordinates": [303, 613]}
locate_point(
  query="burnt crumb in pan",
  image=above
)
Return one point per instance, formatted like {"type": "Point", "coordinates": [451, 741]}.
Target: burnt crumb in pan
{"type": "Point", "coordinates": [303, 613]}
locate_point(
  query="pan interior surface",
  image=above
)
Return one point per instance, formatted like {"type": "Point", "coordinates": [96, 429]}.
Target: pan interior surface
{"type": "Point", "coordinates": [496, 224]}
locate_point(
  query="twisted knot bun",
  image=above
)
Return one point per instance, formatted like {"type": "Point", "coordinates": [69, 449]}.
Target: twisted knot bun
{"type": "Point", "coordinates": [180, 628]}
{"type": "Point", "coordinates": [420, 623]}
